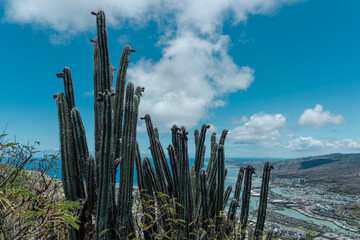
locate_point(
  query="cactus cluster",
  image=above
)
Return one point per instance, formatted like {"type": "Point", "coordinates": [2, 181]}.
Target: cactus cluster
{"type": "Point", "coordinates": [89, 179]}
{"type": "Point", "coordinates": [197, 194]}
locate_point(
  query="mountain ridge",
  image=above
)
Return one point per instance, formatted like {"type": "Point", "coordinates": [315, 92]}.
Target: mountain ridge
{"type": "Point", "coordinates": [340, 171]}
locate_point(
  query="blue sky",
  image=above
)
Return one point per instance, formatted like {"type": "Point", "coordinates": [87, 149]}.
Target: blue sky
{"type": "Point", "coordinates": [281, 75]}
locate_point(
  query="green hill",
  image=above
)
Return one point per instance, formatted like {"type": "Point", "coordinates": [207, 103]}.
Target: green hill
{"type": "Point", "coordinates": [340, 171]}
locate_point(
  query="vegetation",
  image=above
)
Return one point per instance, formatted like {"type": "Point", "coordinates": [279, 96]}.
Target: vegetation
{"type": "Point", "coordinates": [339, 171]}
{"type": "Point", "coordinates": [32, 205]}
{"type": "Point", "coordinates": [176, 202]}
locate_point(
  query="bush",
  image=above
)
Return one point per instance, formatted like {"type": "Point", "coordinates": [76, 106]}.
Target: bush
{"type": "Point", "coordinates": [32, 204]}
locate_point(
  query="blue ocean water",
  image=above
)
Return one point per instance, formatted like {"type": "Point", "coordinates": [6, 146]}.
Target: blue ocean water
{"type": "Point", "coordinates": [232, 164]}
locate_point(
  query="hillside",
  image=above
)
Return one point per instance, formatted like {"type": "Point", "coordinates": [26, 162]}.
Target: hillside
{"type": "Point", "coordinates": [341, 171]}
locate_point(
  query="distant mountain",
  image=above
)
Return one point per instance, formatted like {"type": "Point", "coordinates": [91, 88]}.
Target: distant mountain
{"type": "Point", "coordinates": [340, 171]}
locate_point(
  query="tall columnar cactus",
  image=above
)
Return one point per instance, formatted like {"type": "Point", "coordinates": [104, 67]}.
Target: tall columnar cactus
{"type": "Point", "coordinates": [263, 201]}
{"type": "Point", "coordinates": [90, 181]}
{"type": "Point", "coordinates": [198, 196]}
{"type": "Point", "coordinates": [249, 170]}
{"type": "Point", "coordinates": [235, 200]}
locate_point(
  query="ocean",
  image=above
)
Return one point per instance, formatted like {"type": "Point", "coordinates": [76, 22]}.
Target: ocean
{"type": "Point", "coordinates": [232, 165]}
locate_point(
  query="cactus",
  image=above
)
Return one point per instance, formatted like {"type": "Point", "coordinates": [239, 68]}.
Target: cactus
{"type": "Point", "coordinates": [263, 201]}
{"type": "Point", "coordinates": [93, 182]}
{"type": "Point", "coordinates": [249, 170]}
{"type": "Point", "coordinates": [197, 195]}
{"type": "Point", "coordinates": [235, 201]}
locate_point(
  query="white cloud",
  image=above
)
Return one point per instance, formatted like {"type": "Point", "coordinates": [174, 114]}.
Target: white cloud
{"type": "Point", "coordinates": [74, 15]}
{"type": "Point", "coordinates": [243, 119]}
{"type": "Point", "coordinates": [195, 70]}
{"type": "Point", "coordinates": [212, 129]}
{"type": "Point", "coordinates": [260, 129]}
{"type": "Point", "coordinates": [310, 143]}
{"type": "Point", "coordinates": [304, 143]}
{"type": "Point", "coordinates": [190, 78]}
{"type": "Point", "coordinates": [290, 135]}
{"type": "Point", "coordinates": [318, 118]}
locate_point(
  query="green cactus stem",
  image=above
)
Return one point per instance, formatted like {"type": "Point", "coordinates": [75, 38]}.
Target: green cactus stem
{"type": "Point", "coordinates": [69, 88]}
{"type": "Point", "coordinates": [80, 140]}
{"type": "Point", "coordinates": [220, 187]}
{"type": "Point", "coordinates": [127, 163]}
{"type": "Point", "coordinates": [263, 201]}
{"type": "Point", "coordinates": [119, 98]}
{"type": "Point", "coordinates": [233, 206]}
{"type": "Point", "coordinates": [106, 203]}
{"type": "Point", "coordinates": [155, 152]}
{"type": "Point", "coordinates": [204, 198]}
{"type": "Point", "coordinates": [249, 170]}
{"type": "Point", "coordinates": [226, 196]}
{"type": "Point", "coordinates": [105, 65]}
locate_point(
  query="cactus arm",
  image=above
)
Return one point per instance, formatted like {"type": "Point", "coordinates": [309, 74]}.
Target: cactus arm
{"type": "Point", "coordinates": [204, 198]}
{"type": "Point", "coordinates": [175, 141]}
{"type": "Point", "coordinates": [223, 136]}
{"type": "Point", "coordinates": [139, 169]}
{"type": "Point", "coordinates": [97, 105]}
{"type": "Point", "coordinates": [233, 206]}
{"type": "Point", "coordinates": [91, 183]}
{"type": "Point", "coordinates": [155, 153]}
{"type": "Point", "coordinates": [263, 201]}
{"type": "Point", "coordinates": [165, 166]}
{"type": "Point", "coordinates": [199, 149]}
{"type": "Point", "coordinates": [211, 164]}
{"type": "Point", "coordinates": [249, 170]}
{"type": "Point", "coordinates": [148, 198]}
{"type": "Point", "coordinates": [106, 203]}
{"type": "Point", "coordinates": [80, 140]}
{"type": "Point", "coordinates": [69, 87]}
{"type": "Point", "coordinates": [66, 153]}
{"type": "Point", "coordinates": [156, 132]}
{"type": "Point", "coordinates": [212, 140]}
{"type": "Point", "coordinates": [239, 183]}
{"type": "Point", "coordinates": [150, 174]}
{"type": "Point", "coordinates": [119, 98]}
{"type": "Point", "coordinates": [71, 175]}
{"type": "Point", "coordinates": [174, 169]}
{"type": "Point", "coordinates": [183, 185]}
{"type": "Point", "coordinates": [127, 163]}
{"type": "Point", "coordinates": [105, 75]}
{"type": "Point", "coordinates": [220, 187]}
{"type": "Point", "coordinates": [196, 138]}
{"type": "Point", "coordinates": [226, 196]}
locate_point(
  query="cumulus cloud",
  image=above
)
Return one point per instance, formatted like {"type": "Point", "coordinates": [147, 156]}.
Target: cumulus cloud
{"type": "Point", "coordinates": [262, 128]}
{"type": "Point", "coordinates": [195, 71]}
{"type": "Point", "coordinates": [318, 118]}
{"type": "Point", "coordinates": [73, 15]}
{"type": "Point", "coordinates": [243, 119]}
{"type": "Point", "coordinates": [189, 79]}
{"type": "Point", "coordinates": [290, 135]}
{"type": "Point", "coordinates": [310, 143]}
{"type": "Point", "coordinates": [212, 129]}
